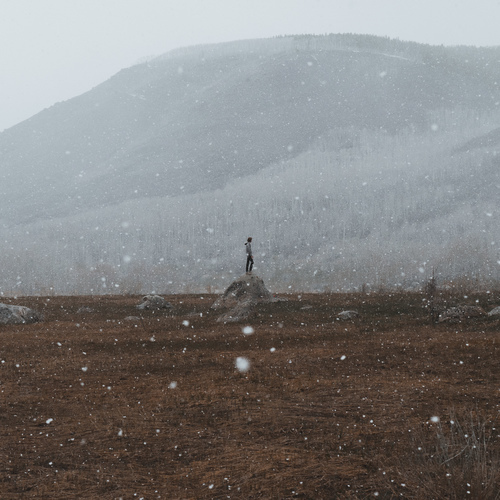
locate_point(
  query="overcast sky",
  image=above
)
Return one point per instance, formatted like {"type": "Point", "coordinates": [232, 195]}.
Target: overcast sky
{"type": "Point", "coordinates": [52, 50]}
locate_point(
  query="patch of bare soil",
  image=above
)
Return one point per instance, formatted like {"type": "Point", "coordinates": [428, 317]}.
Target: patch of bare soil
{"type": "Point", "coordinates": [94, 405]}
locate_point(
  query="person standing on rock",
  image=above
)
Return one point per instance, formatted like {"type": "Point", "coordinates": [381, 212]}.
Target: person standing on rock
{"type": "Point", "coordinates": [248, 244]}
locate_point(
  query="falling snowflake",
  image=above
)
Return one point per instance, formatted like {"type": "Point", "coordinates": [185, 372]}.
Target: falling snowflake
{"type": "Point", "coordinates": [242, 364]}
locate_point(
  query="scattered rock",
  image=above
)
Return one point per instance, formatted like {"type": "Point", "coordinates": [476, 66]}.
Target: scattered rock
{"type": "Point", "coordinates": [461, 313]}
{"type": "Point", "coordinates": [241, 297]}
{"type": "Point", "coordinates": [347, 315]}
{"type": "Point", "coordinates": [154, 302]}
{"type": "Point", "coordinates": [85, 309]}
{"type": "Point", "coordinates": [194, 313]}
{"type": "Point", "coordinates": [495, 312]}
{"type": "Point", "coordinates": [280, 299]}
{"type": "Point", "coordinates": [135, 319]}
{"type": "Point", "coordinates": [12, 315]}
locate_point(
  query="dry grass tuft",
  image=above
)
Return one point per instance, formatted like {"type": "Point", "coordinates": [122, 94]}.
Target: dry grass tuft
{"type": "Point", "coordinates": [456, 459]}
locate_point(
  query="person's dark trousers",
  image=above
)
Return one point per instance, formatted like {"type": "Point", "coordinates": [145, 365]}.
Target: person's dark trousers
{"type": "Point", "coordinates": [249, 263]}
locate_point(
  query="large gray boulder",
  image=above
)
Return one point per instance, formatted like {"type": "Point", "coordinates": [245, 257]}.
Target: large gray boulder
{"type": "Point", "coordinates": [461, 313]}
{"type": "Point", "coordinates": [154, 302]}
{"type": "Point", "coordinates": [241, 297]}
{"type": "Point", "coordinates": [13, 315]}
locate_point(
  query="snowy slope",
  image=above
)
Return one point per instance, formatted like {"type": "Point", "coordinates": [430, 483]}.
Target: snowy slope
{"type": "Point", "coordinates": [336, 152]}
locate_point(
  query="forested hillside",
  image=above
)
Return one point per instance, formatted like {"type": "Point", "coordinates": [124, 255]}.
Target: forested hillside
{"type": "Point", "coordinates": [353, 161]}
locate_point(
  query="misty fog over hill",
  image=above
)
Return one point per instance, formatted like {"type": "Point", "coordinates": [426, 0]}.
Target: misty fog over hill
{"type": "Point", "coordinates": [354, 161]}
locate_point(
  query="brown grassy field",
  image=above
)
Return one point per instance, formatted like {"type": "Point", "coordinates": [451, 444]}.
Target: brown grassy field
{"type": "Point", "coordinates": [388, 405]}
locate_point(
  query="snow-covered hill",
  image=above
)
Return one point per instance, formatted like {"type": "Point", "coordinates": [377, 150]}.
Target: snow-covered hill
{"type": "Point", "coordinates": [351, 160]}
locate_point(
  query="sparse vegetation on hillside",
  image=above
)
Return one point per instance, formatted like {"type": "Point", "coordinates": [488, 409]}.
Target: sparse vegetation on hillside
{"type": "Point", "coordinates": [357, 163]}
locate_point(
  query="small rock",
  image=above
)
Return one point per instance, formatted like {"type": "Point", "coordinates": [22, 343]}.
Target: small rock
{"type": "Point", "coordinates": [347, 315]}
{"type": "Point", "coordinates": [85, 309]}
{"type": "Point", "coordinates": [495, 312]}
{"type": "Point", "coordinates": [135, 319]}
